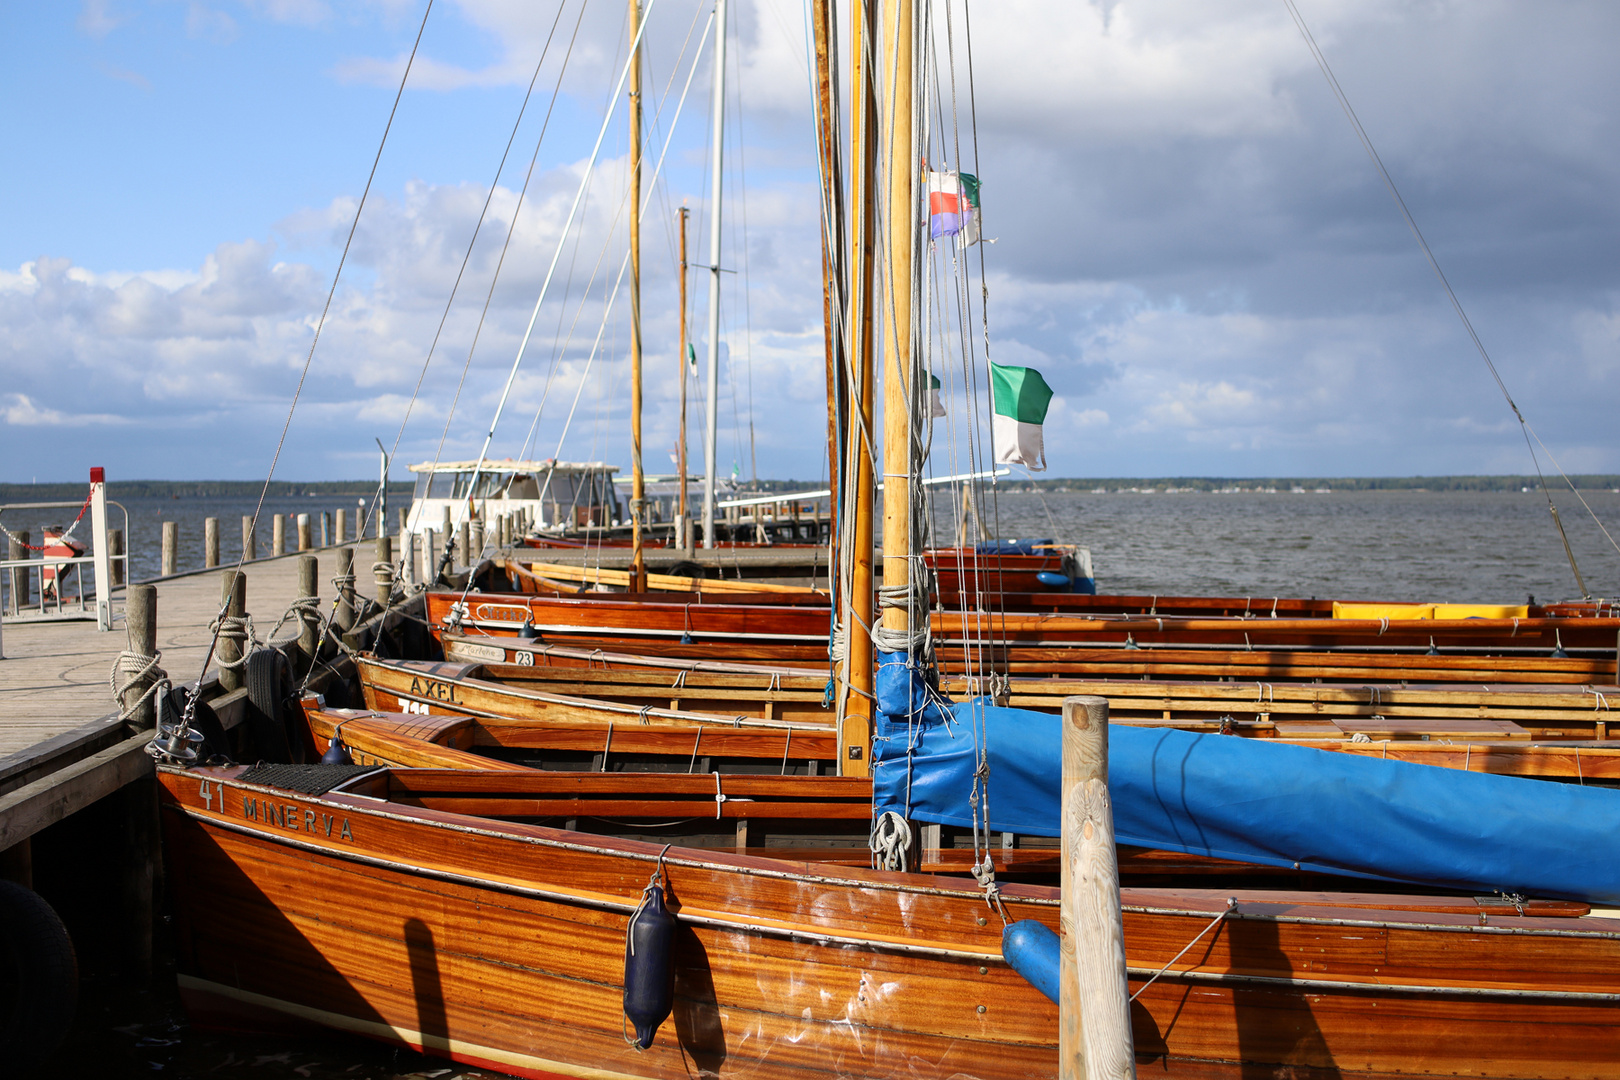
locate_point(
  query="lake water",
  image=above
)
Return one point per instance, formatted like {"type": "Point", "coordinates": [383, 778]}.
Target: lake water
{"type": "Point", "coordinates": [1464, 547]}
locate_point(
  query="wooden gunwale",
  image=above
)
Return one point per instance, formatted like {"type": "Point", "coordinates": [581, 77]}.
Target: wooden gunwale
{"type": "Point", "coordinates": [1198, 907]}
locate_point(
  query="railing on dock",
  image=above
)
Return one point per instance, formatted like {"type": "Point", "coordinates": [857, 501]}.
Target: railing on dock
{"type": "Point", "coordinates": [54, 569]}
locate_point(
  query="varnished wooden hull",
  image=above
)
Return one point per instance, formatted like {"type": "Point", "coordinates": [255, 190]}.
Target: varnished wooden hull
{"type": "Point", "coordinates": [502, 944]}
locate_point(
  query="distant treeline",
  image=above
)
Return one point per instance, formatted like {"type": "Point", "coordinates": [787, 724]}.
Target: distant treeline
{"type": "Point", "coordinates": [194, 489]}
{"type": "Point", "coordinates": [1586, 482]}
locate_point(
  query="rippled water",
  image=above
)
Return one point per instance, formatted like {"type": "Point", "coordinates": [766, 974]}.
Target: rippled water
{"type": "Point", "coordinates": [1465, 547]}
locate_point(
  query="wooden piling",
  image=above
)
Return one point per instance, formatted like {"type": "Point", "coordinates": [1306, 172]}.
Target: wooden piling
{"type": "Point", "coordinates": [309, 588]}
{"type": "Point", "coordinates": [342, 527]}
{"type": "Point", "coordinates": [171, 547]}
{"type": "Point", "coordinates": [404, 516]}
{"type": "Point", "coordinates": [1094, 1025]}
{"type": "Point", "coordinates": [343, 617]}
{"type": "Point", "coordinates": [326, 529]}
{"type": "Point", "coordinates": [475, 540]}
{"type": "Point", "coordinates": [278, 535]}
{"type": "Point", "coordinates": [383, 569]}
{"type": "Point", "coordinates": [233, 598]}
{"type": "Point", "coordinates": [115, 552]}
{"type": "Point", "coordinates": [360, 519]}
{"type": "Point", "coordinates": [140, 623]}
{"type": "Point", "coordinates": [306, 539]}
{"type": "Point", "coordinates": [210, 542]}
{"type": "Point", "coordinates": [250, 542]}
{"type": "Point", "coordinates": [464, 551]}
{"type": "Point", "coordinates": [22, 579]}
{"type": "Point", "coordinates": [430, 565]}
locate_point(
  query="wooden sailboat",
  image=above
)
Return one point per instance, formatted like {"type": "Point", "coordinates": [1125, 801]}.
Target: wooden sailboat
{"type": "Point", "coordinates": [448, 909]}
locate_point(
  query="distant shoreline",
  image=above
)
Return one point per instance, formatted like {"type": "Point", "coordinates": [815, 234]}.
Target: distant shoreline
{"type": "Point", "coordinates": [281, 489]}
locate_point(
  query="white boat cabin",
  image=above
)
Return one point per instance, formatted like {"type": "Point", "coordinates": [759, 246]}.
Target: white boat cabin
{"type": "Point", "coordinates": [558, 496]}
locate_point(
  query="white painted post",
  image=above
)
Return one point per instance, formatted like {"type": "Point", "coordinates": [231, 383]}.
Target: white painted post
{"type": "Point", "coordinates": [1094, 1026]}
{"type": "Point", "coordinates": [305, 539]}
{"type": "Point", "coordinates": [103, 545]}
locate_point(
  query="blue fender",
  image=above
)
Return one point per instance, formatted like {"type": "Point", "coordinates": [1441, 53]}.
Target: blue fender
{"type": "Point", "coordinates": [1032, 951]}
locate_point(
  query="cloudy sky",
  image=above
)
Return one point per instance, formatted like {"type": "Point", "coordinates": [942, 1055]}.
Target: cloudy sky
{"type": "Point", "coordinates": [1190, 243]}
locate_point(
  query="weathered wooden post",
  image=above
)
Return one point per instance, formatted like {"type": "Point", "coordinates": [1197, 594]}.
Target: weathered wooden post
{"type": "Point", "coordinates": [404, 517]}
{"type": "Point", "coordinates": [250, 540]}
{"type": "Point", "coordinates": [171, 546]}
{"type": "Point", "coordinates": [309, 589]}
{"type": "Point", "coordinates": [278, 535]}
{"type": "Point", "coordinates": [359, 519]}
{"type": "Point", "coordinates": [475, 544]}
{"type": "Point", "coordinates": [115, 553]}
{"type": "Point", "coordinates": [22, 579]}
{"type": "Point", "coordinates": [326, 529]}
{"type": "Point", "coordinates": [383, 569]}
{"type": "Point", "coordinates": [407, 557]}
{"type": "Point", "coordinates": [140, 623]}
{"type": "Point", "coordinates": [343, 616]}
{"type": "Point", "coordinates": [210, 542]}
{"type": "Point", "coordinates": [446, 529]}
{"type": "Point", "coordinates": [464, 544]}
{"type": "Point", "coordinates": [233, 598]}
{"type": "Point", "coordinates": [1094, 1026]}
{"type": "Point", "coordinates": [342, 527]}
{"type": "Point", "coordinates": [306, 538]}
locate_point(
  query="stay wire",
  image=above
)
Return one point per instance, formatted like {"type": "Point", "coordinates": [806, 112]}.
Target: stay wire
{"type": "Point", "coordinates": [309, 359]}
{"type": "Point", "coordinates": [1445, 284]}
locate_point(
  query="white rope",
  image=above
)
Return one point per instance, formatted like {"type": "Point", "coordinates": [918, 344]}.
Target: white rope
{"type": "Point", "coordinates": [890, 841]}
{"type": "Point", "coordinates": [128, 670]}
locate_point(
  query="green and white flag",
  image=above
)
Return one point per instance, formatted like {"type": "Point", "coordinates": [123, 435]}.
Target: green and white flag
{"type": "Point", "coordinates": [936, 407]}
{"type": "Point", "coordinates": [1020, 397]}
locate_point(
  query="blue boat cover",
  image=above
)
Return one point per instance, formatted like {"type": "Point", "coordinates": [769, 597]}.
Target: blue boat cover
{"type": "Point", "coordinates": [1259, 802]}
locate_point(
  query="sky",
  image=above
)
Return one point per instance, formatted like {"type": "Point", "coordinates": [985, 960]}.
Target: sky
{"type": "Point", "coordinates": [1189, 242]}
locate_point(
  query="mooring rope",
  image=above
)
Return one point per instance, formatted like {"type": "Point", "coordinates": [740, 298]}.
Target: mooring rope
{"type": "Point", "coordinates": [128, 669]}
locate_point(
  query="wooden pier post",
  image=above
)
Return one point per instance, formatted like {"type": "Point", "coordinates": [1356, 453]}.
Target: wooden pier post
{"type": "Point", "coordinates": [326, 529]}
{"type": "Point", "coordinates": [250, 541]}
{"type": "Point", "coordinates": [210, 542]}
{"type": "Point", "coordinates": [233, 597]}
{"type": "Point", "coordinates": [475, 540]}
{"type": "Point", "coordinates": [308, 588]}
{"type": "Point", "coordinates": [342, 527]}
{"type": "Point", "coordinates": [464, 544]}
{"type": "Point", "coordinates": [407, 557]}
{"type": "Point", "coordinates": [306, 539]}
{"type": "Point", "coordinates": [359, 519]}
{"type": "Point", "coordinates": [140, 623]}
{"type": "Point", "coordinates": [115, 553]}
{"type": "Point", "coordinates": [22, 579]}
{"type": "Point", "coordinates": [278, 535]}
{"type": "Point", "coordinates": [383, 569]}
{"type": "Point", "coordinates": [1094, 1026]}
{"type": "Point", "coordinates": [343, 616]}
{"type": "Point", "coordinates": [404, 516]}
{"type": "Point", "coordinates": [429, 565]}
{"type": "Point", "coordinates": [171, 547]}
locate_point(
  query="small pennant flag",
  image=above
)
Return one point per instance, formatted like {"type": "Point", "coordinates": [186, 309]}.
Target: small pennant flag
{"type": "Point", "coordinates": [953, 206]}
{"type": "Point", "coordinates": [1020, 397]}
{"type": "Point", "coordinates": [936, 407]}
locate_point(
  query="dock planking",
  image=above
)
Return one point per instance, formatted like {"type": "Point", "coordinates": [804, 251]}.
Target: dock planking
{"type": "Point", "coordinates": [54, 678]}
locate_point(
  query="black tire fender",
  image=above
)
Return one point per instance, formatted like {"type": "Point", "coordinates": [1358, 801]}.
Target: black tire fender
{"type": "Point", "coordinates": [39, 980]}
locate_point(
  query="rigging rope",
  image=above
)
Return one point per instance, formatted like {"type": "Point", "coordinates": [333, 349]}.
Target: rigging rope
{"type": "Point", "coordinates": [1411, 223]}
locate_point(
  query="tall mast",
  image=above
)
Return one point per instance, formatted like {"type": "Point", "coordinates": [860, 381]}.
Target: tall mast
{"type": "Point", "coordinates": [899, 211]}
{"type": "Point", "coordinates": [832, 223]}
{"type": "Point", "coordinates": [680, 447]}
{"type": "Point", "coordinates": [859, 670]}
{"type": "Point", "coordinates": [718, 126]}
{"type": "Point", "coordinates": [638, 481]}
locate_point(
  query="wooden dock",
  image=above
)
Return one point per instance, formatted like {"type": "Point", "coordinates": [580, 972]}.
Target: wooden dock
{"type": "Point", "coordinates": [55, 675]}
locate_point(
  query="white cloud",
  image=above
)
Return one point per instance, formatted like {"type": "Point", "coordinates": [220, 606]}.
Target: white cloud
{"type": "Point", "coordinates": [23, 411]}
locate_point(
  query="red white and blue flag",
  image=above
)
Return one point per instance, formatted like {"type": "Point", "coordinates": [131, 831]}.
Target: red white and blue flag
{"type": "Point", "coordinates": [953, 206]}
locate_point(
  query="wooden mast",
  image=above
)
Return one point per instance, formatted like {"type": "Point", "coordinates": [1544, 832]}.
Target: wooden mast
{"type": "Point", "coordinates": [638, 482]}
{"type": "Point", "coordinates": [899, 216]}
{"type": "Point", "coordinates": [831, 226]}
{"type": "Point", "coordinates": [856, 724]}
{"type": "Point", "coordinates": [680, 447]}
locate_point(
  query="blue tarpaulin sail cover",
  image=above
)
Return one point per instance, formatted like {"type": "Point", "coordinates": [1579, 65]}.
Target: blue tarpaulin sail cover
{"type": "Point", "coordinates": [1254, 801]}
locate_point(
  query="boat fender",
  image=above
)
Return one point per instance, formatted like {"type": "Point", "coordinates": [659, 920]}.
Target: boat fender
{"type": "Point", "coordinates": [649, 964]}
{"type": "Point", "coordinates": [1053, 580]}
{"type": "Point", "coordinates": [1032, 951]}
{"type": "Point", "coordinates": [528, 631]}
{"type": "Point", "coordinates": [337, 751]}
{"type": "Point", "coordinates": [43, 976]}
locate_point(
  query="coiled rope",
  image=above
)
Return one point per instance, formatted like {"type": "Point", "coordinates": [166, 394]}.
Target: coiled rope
{"type": "Point", "coordinates": [890, 841]}
{"type": "Point", "coordinates": [128, 670]}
